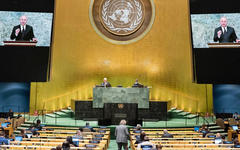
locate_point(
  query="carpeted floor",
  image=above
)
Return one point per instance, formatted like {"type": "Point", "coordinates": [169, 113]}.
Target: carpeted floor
{"type": "Point", "coordinates": [113, 145]}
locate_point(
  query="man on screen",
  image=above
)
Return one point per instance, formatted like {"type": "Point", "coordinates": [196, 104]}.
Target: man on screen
{"type": "Point", "coordinates": [224, 33]}
{"type": "Point", "coordinates": [23, 32]}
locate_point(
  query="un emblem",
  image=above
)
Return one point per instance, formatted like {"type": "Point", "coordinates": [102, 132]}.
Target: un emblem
{"type": "Point", "coordinates": [122, 17]}
{"type": "Point", "coordinates": [120, 106]}
{"type": "Point", "coordinates": [122, 21]}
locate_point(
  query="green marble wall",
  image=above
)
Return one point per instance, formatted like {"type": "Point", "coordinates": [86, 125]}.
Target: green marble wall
{"type": "Point", "coordinates": [120, 95]}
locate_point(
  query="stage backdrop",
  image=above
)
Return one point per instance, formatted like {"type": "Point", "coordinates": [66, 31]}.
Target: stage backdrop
{"type": "Point", "coordinates": [81, 59]}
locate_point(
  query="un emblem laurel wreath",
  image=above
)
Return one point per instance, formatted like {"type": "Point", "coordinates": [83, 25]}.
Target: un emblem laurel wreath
{"type": "Point", "coordinates": [132, 26]}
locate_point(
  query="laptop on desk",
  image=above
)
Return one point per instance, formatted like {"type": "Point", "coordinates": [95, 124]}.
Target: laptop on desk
{"type": "Point", "coordinates": [235, 127]}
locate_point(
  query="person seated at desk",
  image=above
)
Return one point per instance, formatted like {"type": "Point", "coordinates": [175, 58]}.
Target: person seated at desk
{"type": "Point", "coordinates": [140, 138]}
{"type": "Point", "coordinates": [38, 125]}
{"type": "Point", "coordinates": [33, 130]}
{"type": "Point", "coordinates": [89, 127]}
{"type": "Point", "coordinates": [166, 134]}
{"type": "Point", "coordinates": [204, 130]}
{"type": "Point", "coordinates": [137, 84]}
{"type": "Point", "coordinates": [218, 139]}
{"type": "Point", "coordinates": [236, 116]}
{"type": "Point", "coordinates": [3, 139]}
{"type": "Point", "coordinates": [70, 141]}
{"type": "Point", "coordinates": [66, 145]}
{"type": "Point", "coordinates": [106, 83]}
{"type": "Point", "coordinates": [138, 129]}
{"type": "Point", "coordinates": [78, 135]}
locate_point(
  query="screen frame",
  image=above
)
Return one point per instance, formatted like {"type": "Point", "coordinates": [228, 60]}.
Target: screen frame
{"type": "Point", "coordinates": [41, 6]}
{"type": "Point", "coordinates": [210, 7]}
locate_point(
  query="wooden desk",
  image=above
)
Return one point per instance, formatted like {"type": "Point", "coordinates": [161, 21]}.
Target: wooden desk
{"type": "Point", "coordinates": [8, 131]}
{"type": "Point", "coordinates": [230, 133]}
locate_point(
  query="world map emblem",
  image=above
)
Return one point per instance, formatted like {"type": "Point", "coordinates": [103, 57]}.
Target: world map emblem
{"type": "Point", "coordinates": [122, 21]}
{"type": "Point", "coordinates": [122, 17]}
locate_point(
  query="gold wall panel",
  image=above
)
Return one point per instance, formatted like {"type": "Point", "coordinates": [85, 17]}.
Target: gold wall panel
{"type": "Point", "coordinates": [81, 58]}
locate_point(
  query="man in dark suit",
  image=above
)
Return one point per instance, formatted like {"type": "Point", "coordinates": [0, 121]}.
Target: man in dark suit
{"type": "Point", "coordinates": [166, 134]}
{"type": "Point", "coordinates": [105, 83]}
{"type": "Point", "coordinates": [23, 32]}
{"type": "Point", "coordinates": [224, 33]}
{"type": "Point", "coordinates": [89, 127]}
{"type": "Point", "coordinates": [137, 84]}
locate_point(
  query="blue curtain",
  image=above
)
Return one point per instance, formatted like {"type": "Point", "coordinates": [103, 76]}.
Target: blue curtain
{"type": "Point", "coordinates": [14, 96]}
{"type": "Point", "coordinates": [226, 98]}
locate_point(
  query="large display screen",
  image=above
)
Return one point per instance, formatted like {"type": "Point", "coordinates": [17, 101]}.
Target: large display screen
{"type": "Point", "coordinates": [206, 27]}
{"type": "Point", "coordinates": [215, 34]}
{"type": "Point", "coordinates": [26, 28]}
{"type": "Point", "coordinates": [41, 23]}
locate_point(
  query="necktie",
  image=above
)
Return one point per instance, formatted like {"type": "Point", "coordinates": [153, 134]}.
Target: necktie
{"type": "Point", "coordinates": [22, 33]}
{"type": "Point", "coordinates": [224, 30]}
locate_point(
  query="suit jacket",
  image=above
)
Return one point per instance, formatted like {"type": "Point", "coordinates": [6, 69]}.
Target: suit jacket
{"type": "Point", "coordinates": [27, 35]}
{"type": "Point", "coordinates": [229, 36]}
{"type": "Point", "coordinates": [122, 134]}
{"type": "Point", "coordinates": [136, 84]}
{"type": "Point", "coordinates": [107, 85]}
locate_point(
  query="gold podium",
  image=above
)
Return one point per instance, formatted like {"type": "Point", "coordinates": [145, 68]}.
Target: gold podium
{"type": "Point", "coordinates": [224, 45]}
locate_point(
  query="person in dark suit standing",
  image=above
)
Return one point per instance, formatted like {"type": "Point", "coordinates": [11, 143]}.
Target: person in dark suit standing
{"type": "Point", "coordinates": [105, 83]}
{"type": "Point", "coordinates": [23, 32]}
{"type": "Point", "coordinates": [224, 33]}
{"type": "Point", "coordinates": [122, 134]}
